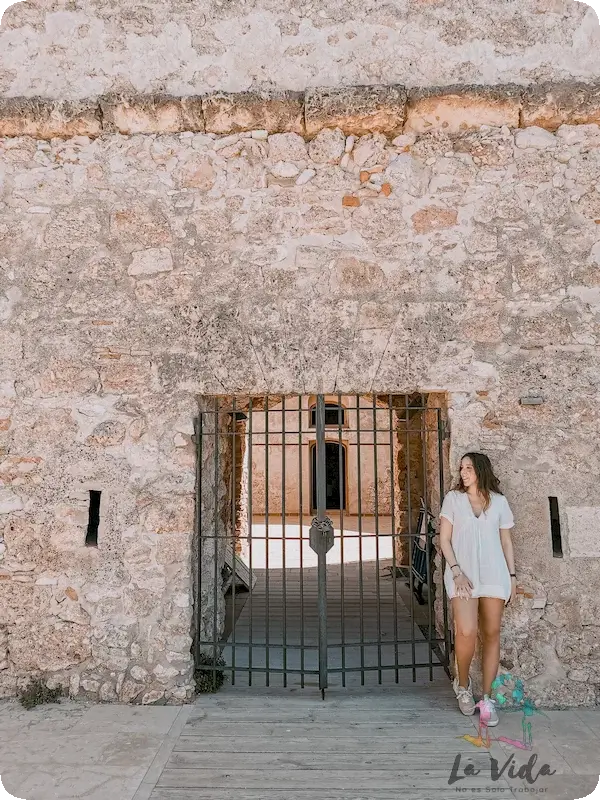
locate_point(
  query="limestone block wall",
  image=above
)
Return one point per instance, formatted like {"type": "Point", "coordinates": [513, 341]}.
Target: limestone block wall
{"type": "Point", "coordinates": [141, 271]}
{"type": "Point", "coordinates": [73, 50]}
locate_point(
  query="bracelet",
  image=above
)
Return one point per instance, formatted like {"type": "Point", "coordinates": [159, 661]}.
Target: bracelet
{"type": "Point", "coordinates": [513, 574]}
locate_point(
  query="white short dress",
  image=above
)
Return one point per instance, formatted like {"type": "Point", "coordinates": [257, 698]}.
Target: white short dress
{"type": "Point", "coordinates": [477, 545]}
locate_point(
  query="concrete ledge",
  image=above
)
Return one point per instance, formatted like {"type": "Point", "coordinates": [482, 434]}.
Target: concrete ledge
{"type": "Point", "coordinates": [275, 112]}
{"type": "Point", "coordinates": [550, 106]}
{"type": "Point", "coordinates": [151, 114]}
{"type": "Point", "coordinates": [46, 119]}
{"type": "Point", "coordinates": [356, 110]}
{"type": "Point", "coordinates": [455, 109]}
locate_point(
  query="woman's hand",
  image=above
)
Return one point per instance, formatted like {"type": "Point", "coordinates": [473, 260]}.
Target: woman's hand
{"type": "Point", "coordinates": [463, 585]}
{"type": "Point", "coordinates": [513, 591]}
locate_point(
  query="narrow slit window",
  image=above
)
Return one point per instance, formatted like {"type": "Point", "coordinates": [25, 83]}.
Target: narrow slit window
{"type": "Point", "coordinates": [91, 537]}
{"type": "Point", "coordinates": [557, 550]}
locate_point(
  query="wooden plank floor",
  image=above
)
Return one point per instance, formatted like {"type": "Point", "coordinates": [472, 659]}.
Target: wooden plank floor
{"type": "Point", "coordinates": [364, 744]}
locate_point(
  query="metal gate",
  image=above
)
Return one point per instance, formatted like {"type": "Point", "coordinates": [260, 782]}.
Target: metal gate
{"type": "Point", "coordinates": [315, 550]}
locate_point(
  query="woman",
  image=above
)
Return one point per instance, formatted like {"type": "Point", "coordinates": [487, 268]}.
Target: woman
{"type": "Point", "coordinates": [480, 572]}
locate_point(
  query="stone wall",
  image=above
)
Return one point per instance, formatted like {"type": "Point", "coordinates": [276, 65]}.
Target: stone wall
{"type": "Point", "coordinates": [138, 272]}
{"type": "Point", "coordinates": [72, 49]}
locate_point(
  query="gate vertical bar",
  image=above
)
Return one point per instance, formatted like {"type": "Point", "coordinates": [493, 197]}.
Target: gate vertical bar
{"type": "Point", "coordinates": [267, 582]}
{"type": "Point", "coordinates": [250, 538]}
{"type": "Point", "coordinates": [234, 434]}
{"type": "Point", "coordinates": [216, 550]}
{"type": "Point", "coordinates": [411, 538]}
{"type": "Point", "coordinates": [428, 543]}
{"type": "Point", "coordinates": [301, 538]}
{"type": "Point", "coordinates": [199, 454]}
{"type": "Point", "coordinates": [361, 612]}
{"type": "Point", "coordinates": [393, 433]}
{"type": "Point", "coordinates": [322, 563]}
{"type": "Point", "coordinates": [283, 543]}
{"type": "Point", "coordinates": [376, 509]}
{"type": "Point", "coordinates": [448, 639]}
{"type": "Point", "coordinates": [344, 493]}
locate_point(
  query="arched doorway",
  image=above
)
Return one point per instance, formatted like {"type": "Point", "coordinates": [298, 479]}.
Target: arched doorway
{"type": "Point", "coordinates": [335, 477]}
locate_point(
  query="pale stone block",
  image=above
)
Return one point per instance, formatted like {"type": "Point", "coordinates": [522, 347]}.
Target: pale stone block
{"type": "Point", "coordinates": [139, 674]}
{"type": "Point", "coordinates": [9, 502]}
{"type": "Point", "coordinates": [152, 697]}
{"type": "Point", "coordinates": [356, 110]}
{"type": "Point", "coordinates": [152, 114]}
{"type": "Point", "coordinates": [287, 147]}
{"type": "Point", "coordinates": [284, 170]}
{"type": "Point", "coordinates": [275, 112]}
{"type": "Point", "coordinates": [370, 151]}
{"type": "Point", "coordinates": [537, 138]}
{"type": "Point", "coordinates": [583, 531]}
{"type": "Point", "coordinates": [570, 103]}
{"type": "Point", "coordinates": [462, 108]}
{"type": "Point", "coordinates": [305, 177]}
{"type": "Point", "coordinates": [153, 260]}
{"type": "Point", "coordinates": [46, 119]}
{"type": "Point", "coordinates": [404, 140]}
{"type": "Point", "coordinates": [328, 146]}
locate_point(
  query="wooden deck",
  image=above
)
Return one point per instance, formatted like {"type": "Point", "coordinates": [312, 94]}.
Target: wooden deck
{"type": "Point", "coordinates": [366, 744]}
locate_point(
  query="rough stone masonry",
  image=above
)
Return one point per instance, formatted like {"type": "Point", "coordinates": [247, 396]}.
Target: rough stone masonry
{"type": "Point", "coordinates": [172, 227]}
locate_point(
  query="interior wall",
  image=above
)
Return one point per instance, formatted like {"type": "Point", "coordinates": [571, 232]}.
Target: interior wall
{"type": "Point", "coordinates": [358, 428]}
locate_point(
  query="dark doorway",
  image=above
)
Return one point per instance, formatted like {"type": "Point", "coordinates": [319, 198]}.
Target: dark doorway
{"type": "Point", "coordinates": [335, 476]}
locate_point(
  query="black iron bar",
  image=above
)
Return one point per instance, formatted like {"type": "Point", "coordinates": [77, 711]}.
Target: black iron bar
{"type": "Point", "coordinates": [376, 509]}
{"type": "Point", "coordinates": [199, 533]}
{"type": "Point", "coordinates": [283, 543]}
{"type": "Point", "coordinates": [428, 541]}
{"type": "Point", "coordinates": [322, 564]}
{"type": "Point", "coordinates": [447, 632]}
{"type": "Point", "coordinates": [393, 514]}
{"type": "Point", "coordinates": [217, 584]}
{"type": "Point", "coordinates": [250, 537]}
{"type": "Point", "coordinates": [360, 547]}
{"type": "Point", "coordinates": [410, 535]}
{"type": "Point", "coordinates": [267, 615]}
{"type": "Point", "coordinates": [344, 498]}
{"type": "Point", "coordinates": [301, 534]}
{"type": "Point", "coordinates": [234, 440]}
{"type": "Point", "coordinates": [336, 644]}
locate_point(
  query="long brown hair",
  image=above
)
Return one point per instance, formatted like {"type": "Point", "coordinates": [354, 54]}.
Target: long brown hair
{"type": "Point", "coordinates": [487, 482]}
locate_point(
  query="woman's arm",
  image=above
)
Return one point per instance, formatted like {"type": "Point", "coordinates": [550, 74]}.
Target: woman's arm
{"type": "Point", "coordinates": [509, 555]}
{"type": "Point", "coordinates": [464, 587]}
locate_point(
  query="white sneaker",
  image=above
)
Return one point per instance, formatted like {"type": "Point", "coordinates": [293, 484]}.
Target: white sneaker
{"type": "Point", "coordinates": [487, 712]}
{"type": "Point", "coordinates": [466, 703]}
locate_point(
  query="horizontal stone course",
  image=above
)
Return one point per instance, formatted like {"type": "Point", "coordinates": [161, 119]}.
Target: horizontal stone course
{"type": "Point", "coordinates": [355, 110]}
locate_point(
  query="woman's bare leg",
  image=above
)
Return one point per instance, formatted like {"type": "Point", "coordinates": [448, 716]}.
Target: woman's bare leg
{"type": "Point", "coordinates": [465, 635]}
{"type": "Point", "coordinates": [491, 610]}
